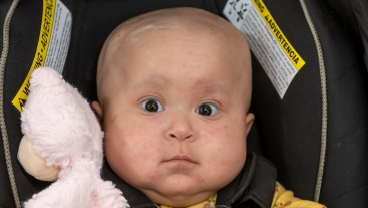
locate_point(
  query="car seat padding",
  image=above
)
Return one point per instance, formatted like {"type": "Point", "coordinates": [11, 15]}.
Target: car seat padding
{"type": "Point", "coordinates": [5, 139]}
{"type": "Point", "coordinates": [292, 140]}
{"type": "Point", "coordinates": [287, 131]}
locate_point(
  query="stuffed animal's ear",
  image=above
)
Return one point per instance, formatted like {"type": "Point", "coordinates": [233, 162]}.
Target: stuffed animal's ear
{"type": "Point", "coordinates": [46, 77]}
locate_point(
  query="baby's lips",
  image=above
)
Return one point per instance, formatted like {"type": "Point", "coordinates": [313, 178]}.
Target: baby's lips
{"type": "Point", "coordinates": [181, 157]}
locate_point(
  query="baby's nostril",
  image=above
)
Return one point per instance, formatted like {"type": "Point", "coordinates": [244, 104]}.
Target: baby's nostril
{"type": "Point", "coordinates": [172, 135]}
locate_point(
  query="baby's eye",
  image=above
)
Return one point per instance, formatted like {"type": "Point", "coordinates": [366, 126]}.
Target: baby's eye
{"type": "Point", "coordinates": [152, 105]}
{"type": "Point", "coordinates": [207, 109]}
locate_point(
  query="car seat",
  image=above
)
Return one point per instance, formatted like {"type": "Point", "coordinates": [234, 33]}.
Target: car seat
{"type": "Point", "coordinates": [316, 134]}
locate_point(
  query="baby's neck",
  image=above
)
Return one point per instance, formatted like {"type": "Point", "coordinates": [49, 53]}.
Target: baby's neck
{"type": "Point", "coordinates": [210, 202]}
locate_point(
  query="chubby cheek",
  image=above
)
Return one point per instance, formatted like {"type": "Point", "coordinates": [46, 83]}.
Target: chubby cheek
{"type": "Point", "coordinates": [133, 151]}
{"type": "Point", "coordinates": [226, 145]}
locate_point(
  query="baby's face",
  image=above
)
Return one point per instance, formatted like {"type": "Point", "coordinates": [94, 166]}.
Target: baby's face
{"type": "Point", "coordinates": [175, 118]}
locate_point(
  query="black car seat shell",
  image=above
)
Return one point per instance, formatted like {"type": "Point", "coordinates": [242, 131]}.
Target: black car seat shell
{"type": "Point", "coordinates": [290, 132]}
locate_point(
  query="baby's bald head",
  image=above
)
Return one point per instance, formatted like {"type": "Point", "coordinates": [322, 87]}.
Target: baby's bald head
{"type": "Point", "coordinates": [211, 32]}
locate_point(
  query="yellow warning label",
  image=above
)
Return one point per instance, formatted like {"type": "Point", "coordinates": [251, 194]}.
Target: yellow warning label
{"type": "Point", "coordinates": [48, 13]}
{"type": "Point", "coordinates": [289, 50]}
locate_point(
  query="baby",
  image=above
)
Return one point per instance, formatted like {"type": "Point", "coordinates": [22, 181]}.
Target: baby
{"type": "Point", "coordinates": [174, 90]}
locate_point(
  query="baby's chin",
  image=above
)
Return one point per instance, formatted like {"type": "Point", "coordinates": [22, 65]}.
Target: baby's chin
{"type": "Point", "coordinates": [178, 198]}
{"type": "Point", "coordinates": [181, 193]}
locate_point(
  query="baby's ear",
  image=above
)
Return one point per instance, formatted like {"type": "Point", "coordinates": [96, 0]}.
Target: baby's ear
{"type": "Point", "coordinates": [95, 105]}
{"type": "Point", "coordinates": [249, 122]}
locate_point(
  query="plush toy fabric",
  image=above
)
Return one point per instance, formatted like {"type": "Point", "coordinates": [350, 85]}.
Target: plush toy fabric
{"type": "Point", "coordinates": [63, 138]}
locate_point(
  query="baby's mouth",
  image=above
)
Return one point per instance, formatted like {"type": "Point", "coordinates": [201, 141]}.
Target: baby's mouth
{"type": "Point", "coordinates": [181, 158]}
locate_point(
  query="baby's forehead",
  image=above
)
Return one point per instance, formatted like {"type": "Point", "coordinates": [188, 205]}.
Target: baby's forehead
{"type": "Point", "coordinates": [203, 31]}
{"type": "Point", "coordinates": [175, 18]}
{"type": "Point", "coordinates": [179, 22]}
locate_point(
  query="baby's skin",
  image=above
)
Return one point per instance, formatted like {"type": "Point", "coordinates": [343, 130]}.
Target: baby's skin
{"type": "Point", "coordinates": [174, 90]}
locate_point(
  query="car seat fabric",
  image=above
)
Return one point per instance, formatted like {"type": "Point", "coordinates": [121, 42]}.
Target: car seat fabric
{"type": "Point", "coordinates": [347, 90]}
{"type": "Point", "coordinates": [297, 135]}
{"type": "Point", "coordinates": [355, 14]}
{"type": "Point", "coordinates": [291, 140]}
{"type": "Point", "coordinates": [287, 131]}
{"type": "Point", "coordinates": [27, 37]}
{"type": "Point", "coordinates": [4, 178]}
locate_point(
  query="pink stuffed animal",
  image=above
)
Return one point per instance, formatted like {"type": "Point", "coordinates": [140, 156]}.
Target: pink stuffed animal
{"type": "Point", "coordinates": [63, 141]}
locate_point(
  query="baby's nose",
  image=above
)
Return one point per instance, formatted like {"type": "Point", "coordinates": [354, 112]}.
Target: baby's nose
{"type": "Point", "coordinates": [180, 128]}
{"type": "Point", "coordinates": [180, 135]}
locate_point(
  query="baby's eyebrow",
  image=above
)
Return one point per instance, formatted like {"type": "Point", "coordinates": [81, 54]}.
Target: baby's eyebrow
{"type": "Point", "coordinates": [152, 82]}
{"type": "Point", "coordinates": [212, 88]}
{"type": "Point", "coordinates": [209, 86]}
{"type": "Point", "coordinates": [201, 86]}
